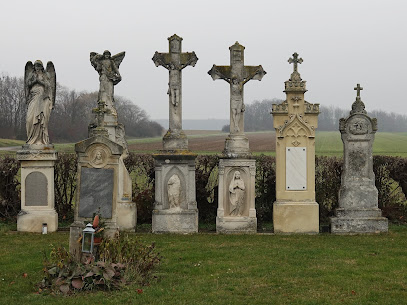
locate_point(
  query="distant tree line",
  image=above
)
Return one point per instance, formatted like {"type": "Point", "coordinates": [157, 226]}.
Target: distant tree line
{"type": "Point", "coordinates": [71, 116]}
{"type": "Point", "coordinates": [257, 117]}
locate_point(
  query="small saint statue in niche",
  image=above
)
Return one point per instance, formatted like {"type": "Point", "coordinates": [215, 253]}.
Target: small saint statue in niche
{"type": "Point", "coordinates": [236, 195]}
{"type": "Point", "coordinates": [40, 89]}
{"type": "Point", "coordinates": [108, 68]}
{"type": "Point", "coordinates": [174, 191]}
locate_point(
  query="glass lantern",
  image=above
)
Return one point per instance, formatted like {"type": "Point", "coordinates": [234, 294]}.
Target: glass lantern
{"type": "Point", "coordinates": [88, 235]}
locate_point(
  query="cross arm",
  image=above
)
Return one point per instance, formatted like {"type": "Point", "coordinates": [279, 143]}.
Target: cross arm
{"type": "Point", "coordinates": [253, 72]}
{"type": "Point", "coordinates": [188, 59]}
{"type": "Point", "coordinates": [162, 59]}
{"type": "Point", "coordinates": [222, 72]}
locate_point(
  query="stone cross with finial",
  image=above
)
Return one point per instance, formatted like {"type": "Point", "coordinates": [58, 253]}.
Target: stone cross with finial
{"type": "Point", "coordinates": [174, 62]}
{"type": "Point", "coordinates": [237, 74]}
{"type": "Point", "coordinates": [358, 88]}
{"type": "Point", "coordinates": [295, 60]}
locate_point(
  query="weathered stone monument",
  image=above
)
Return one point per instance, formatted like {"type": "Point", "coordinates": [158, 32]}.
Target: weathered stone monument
{"type": "Point", "coordinates": [103, 183]}
{"type": "Point", "coordinates": [37, 156]}
{"type": "Point", "coordinates": [175, 207]}
{"type": "Point", "coordinates": [358, 210]}
{"type": "Point", "coordinates": [295, 120]}
{"type": "Point", "coordinates": [236, 211]}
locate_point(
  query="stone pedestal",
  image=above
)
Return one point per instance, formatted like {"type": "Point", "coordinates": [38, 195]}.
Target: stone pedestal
{"type": "Point", "coordinates": [236, 210]}
{"type": "Point", "coordinates": [37, 189]}
{"type": "Point", "coordinates": [295, 120]}
{"type": "Point", "coordinates": [358, 210]}
{"type": "Point", "coordinates": [175, 207]}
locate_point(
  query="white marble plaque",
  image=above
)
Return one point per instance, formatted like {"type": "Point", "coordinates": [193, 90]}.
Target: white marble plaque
{"type": "Point", "coordinates": [296, 169]}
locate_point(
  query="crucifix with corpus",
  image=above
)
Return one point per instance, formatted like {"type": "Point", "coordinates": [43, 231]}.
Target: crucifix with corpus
{"type": "Point", "coordinates": [174, 62]}
{"type": "Point", "coordinates": [237, 75]}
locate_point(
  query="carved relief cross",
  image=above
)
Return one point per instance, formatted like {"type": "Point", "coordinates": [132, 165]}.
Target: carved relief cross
{"type": "Point", "coordinates": [295, 60]}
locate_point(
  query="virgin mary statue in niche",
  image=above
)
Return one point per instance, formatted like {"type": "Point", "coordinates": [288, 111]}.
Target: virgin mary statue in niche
{"type": "Point", "coordinates": [40, 87]}
{"type": "Point", "coordinates": [236, 195]}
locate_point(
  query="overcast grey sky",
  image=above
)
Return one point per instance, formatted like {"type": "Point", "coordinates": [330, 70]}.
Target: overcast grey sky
{"type": "Point", "coordinates": [342, 43]}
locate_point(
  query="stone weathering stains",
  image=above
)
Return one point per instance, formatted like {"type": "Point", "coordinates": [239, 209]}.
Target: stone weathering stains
{"type": "Point", "coordinates": [38, 156]}
{"type": "Point", "coordinates": [175, 207]}
{"type": "Point", "coordinates": [236, 211]}
{"type": "Point", "coordinates": [358, 210]}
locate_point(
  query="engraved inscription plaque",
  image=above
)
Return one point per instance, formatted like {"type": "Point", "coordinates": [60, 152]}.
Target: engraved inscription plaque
{"type": "Point", "coordinates": [96, 192]}
{"type": "Point", "coordinates": [296, 169]}
{"type": "Point", "coordinates": [36, 189]}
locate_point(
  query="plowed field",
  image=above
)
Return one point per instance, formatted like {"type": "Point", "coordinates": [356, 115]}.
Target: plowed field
{"type": "Point", "coordinates": [259, 142]}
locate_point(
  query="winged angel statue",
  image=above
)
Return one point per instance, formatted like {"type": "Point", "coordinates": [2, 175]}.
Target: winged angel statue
{"type": "Point", "coordinates": [40, 89]}
{"type": "Point", "coordinates": [108, 68]}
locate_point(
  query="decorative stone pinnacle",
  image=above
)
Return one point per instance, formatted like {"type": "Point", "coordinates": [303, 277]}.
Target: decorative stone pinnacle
{"type": "Point", "coordinates": [358, 88]}
{"type": "Point", "coordinates": [295, 60]}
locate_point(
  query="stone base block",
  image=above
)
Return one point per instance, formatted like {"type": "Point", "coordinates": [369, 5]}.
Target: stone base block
{"type": "Point", "coordinates": [343, 225]}
{"type": "Point", "coordinates": [127, 216]}
{"type": "Point", "coordinates": [236, 146]}
{"type": "Point", "coordinates": [230, 225]}
{"type": "Point", "coordinates": [31, 221]}
{"type": "Point", "coordinates": [296, 217]}
{"type": "Point", "coordinates": [175, 221]}
{"type": "Point", "coordinates": [175, 140]}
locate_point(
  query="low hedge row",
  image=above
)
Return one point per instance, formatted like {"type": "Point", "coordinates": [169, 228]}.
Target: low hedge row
{"type": "Point", "coordinates": [391, 182]}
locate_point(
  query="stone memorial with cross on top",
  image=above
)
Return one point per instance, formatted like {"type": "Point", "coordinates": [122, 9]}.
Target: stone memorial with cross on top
{"type": "Point", "coordinates": [174, 62]}
{"type": "Point", "coordinates": [237, 75]}
{"type": "Point", "coordinates": [175, 207]}
{"type": "Point", "coordinates": [295, 120]}
{"type": "Point", "coordinates": [358, 210]}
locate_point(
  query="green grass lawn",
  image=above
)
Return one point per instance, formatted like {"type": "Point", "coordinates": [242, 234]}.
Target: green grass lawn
{"type": "Point", "coordinates": [233, 269]}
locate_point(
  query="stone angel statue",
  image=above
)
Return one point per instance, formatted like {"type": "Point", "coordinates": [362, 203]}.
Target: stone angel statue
{"type": "Point", "coordinates": [108, 68]}
{"type": "Point", "coordinates": [40, 89]}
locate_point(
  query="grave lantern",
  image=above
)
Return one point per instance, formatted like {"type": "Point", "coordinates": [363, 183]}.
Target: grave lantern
{"type": "Point", "coordinates": [87, 238]}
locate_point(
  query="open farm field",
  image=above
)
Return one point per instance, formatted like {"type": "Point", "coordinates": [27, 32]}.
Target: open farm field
{"type": "Point", "coordinates": [328, 143]}
{"type": "Point", "coordinates": [232, 269]}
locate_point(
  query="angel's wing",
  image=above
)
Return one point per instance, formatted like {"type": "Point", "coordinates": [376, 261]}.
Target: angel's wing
{"type": "Point", "coordinates": [53, 81]}
{"type": "Point", "coordinates": [29, 69]}
{"type": "Point", "coordinates": [94, 58]}
{"type": "Point", "coordinates": [118, 58]}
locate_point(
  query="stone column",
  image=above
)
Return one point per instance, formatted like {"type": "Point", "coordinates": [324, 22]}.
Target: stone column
{"type": "Point", "coordinates": [37, 189]}
{"type": "Point", "coordinates": [295, 120]}
{"type": "Point", "coordinates": [358, 210]}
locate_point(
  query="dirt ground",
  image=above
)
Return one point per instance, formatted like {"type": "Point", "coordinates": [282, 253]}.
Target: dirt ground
{"type": "Point", "coordinates": [259, 142]}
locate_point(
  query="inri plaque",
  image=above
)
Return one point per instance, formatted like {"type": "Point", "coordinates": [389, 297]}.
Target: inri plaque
{"type": "Point", "coordinates": [96, 192]}
{"type": "Point", "coordinates": [296, 169]}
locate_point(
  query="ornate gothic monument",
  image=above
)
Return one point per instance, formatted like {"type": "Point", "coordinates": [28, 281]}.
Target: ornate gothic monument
{"type": "Point", "coordinates": [295, 120]}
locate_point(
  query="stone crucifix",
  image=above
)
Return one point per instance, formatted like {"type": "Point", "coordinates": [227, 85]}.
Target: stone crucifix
{"type": "Point", "coordinates": [174, 62]}
{"type": "Point", "coordinates": [358, 88]}
{"type": "Point", "coordinates": [237, 74]}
